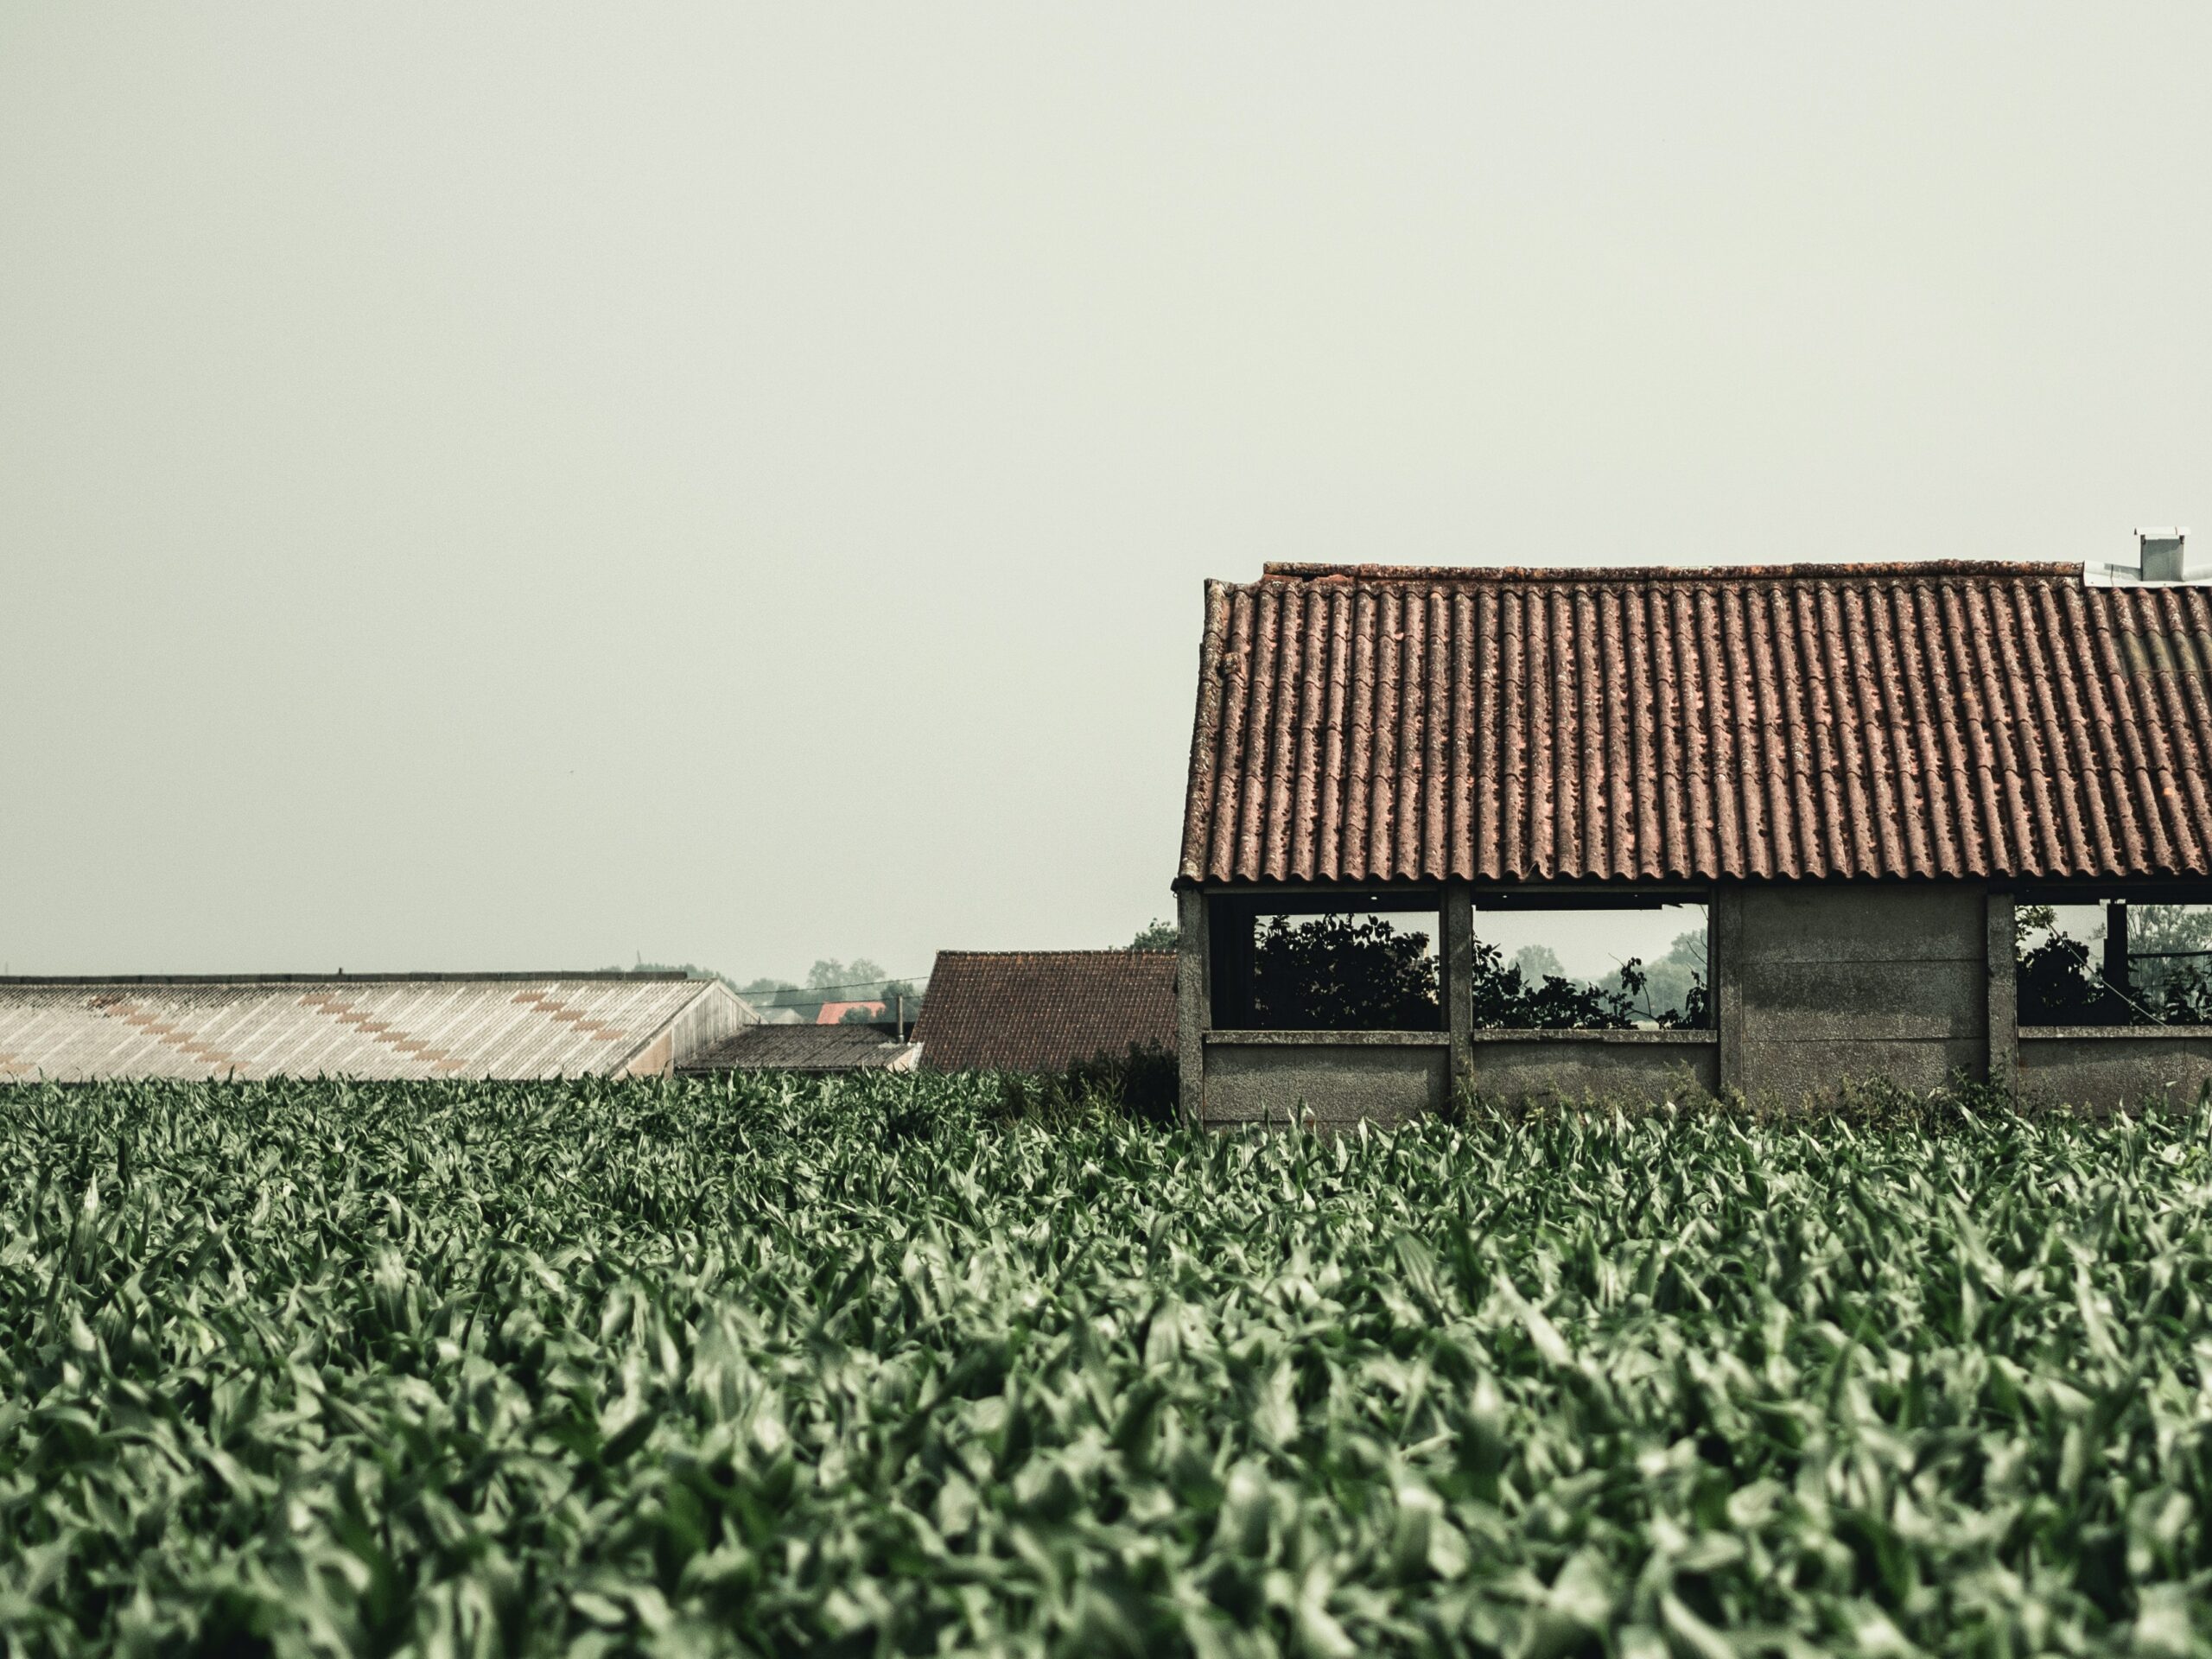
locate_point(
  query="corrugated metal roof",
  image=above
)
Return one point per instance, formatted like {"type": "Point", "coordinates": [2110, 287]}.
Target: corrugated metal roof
{"type": "Point", "coordinates": [412, 1026]}
{"type": "Point", "coordinates": [1366, 724]}
{"type": "Point", "coordinates": [805, 1048]}
{"type": "Point", "coordinates": [1043, 1010]}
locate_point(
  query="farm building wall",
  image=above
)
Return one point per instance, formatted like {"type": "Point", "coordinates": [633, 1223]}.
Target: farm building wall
{"type": "Point", "coordinates": [1853, 981]}
{"type": "Point", "coordinates": [1325, 1079]}
{"type": "Point", "coordinates": [718, 1013]}
{"type": "Point", "coordinates": [1585, 1065]}
{"type": "Point", "coordinates": [1815, 984]}
{"type": "Point", "coordinates": [2109, 1067]}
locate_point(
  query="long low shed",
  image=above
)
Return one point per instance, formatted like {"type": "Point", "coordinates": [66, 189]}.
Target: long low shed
{"type": "Point", "coordinates": [819, 1049]}
{"type": "Point", "coordinates": [1860, 770]}
{"type": "Point", "coordinates": [362, 1025]}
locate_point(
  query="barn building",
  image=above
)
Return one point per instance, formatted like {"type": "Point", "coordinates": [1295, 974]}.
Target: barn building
{"type": "Point", "coordinates": [1045, 1010]}
{"type": "Point", "coordinates": [396, 1025]}
{"type": "Point", "coordinates": [820, 1050]}
{"type": "Point", "coordinates": [1855, 777]}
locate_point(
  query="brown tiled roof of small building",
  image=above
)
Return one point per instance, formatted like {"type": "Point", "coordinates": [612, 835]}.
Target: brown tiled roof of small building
{"type": "Point", "coordinates": [1367, 723]}
{"type": "Point", "coordinates": [1043, 1010]}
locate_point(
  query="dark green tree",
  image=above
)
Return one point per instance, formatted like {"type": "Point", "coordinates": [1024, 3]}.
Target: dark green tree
{"type": "Point", "coordinates": [1334, 973]}
{"type": "Point", "coordinates": [1158, 935]}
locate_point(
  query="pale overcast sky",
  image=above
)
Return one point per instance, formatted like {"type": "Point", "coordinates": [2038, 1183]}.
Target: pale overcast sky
{"type": "Point", "coordinates": [525, 486]}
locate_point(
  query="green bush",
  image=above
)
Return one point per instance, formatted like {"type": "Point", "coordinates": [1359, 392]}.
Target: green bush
{"type": "Point", "coordinates": [1140, 1086]}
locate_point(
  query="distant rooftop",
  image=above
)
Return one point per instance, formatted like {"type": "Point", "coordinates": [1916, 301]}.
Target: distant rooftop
{"type": "Point", "coordinates": [502, 1024]}
{"type": "Point", "coordinates": [1043, 1010]}
{"type": "Point", "coordinates": [341, 977]}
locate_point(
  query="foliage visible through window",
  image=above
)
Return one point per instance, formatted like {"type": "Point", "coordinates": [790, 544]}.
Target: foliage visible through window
{"type": "Point", "coordinates": [1350, 972]}
{"type": "Point", "coordinates": [2069, 973]}
{"type": "Point", "coordinates": [1506, 997]}
{"type": "Point", "coordinates": [1341, 973]}
{"type": "Point", "coordinates": [1521, 983]}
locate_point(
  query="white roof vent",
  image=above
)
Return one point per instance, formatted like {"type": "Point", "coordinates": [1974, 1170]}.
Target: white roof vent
{"type": "Point", "coordinates": [2161, 555]}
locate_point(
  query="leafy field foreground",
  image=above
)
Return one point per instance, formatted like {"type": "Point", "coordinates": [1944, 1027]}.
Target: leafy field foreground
{"type": "Point", "coordinates": [857, 1369]}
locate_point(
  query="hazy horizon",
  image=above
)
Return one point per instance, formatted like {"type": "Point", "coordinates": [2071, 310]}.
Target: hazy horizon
{"type": "Point", "coordinates": [512, 488]}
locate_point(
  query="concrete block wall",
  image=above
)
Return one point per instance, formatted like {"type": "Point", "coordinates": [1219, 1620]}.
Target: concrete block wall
{"type": "Point", "coordinates": [1255, 1080]}
{"type": "Point", "coordinates": [1679, 1066]}
{"type": "Point", "coordinates": [2108, 1069]}
{"type": "Point", "coordinates": [1856, 981]}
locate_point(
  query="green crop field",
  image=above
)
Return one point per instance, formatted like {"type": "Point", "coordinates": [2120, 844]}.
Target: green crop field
{"type": "Point", "coordinates": [862, 1369]}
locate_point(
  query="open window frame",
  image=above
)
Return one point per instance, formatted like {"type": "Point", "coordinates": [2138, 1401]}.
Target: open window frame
{"type": "Point", "coordinates": [1236, 969]}
{"type": "Point", "coordinates": [1497, 1006]}
{"type": "Point", "coordinates": [2063, 981]}
{"type": "Point", "coordinates": [1468, 980]}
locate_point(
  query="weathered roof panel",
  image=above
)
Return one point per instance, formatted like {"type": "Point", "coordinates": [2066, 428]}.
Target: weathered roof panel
{"type": "Point", "coordinates": [426, 1027]}
{"type": "Point", "coordinates": [1366, 724]}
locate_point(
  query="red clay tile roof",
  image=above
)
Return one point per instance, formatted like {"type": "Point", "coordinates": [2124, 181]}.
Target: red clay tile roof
{"type": "Point", "coordinates": [1043, 1010]}
{"type": "Point", "coordinates": [832, 1014]}
{"type": "Point", "coordinates": [1371, 723]}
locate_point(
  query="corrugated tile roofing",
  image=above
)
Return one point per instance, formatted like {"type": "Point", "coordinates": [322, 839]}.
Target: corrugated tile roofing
{"type": "Point", "coordinates": [362, 1026]}
{"type": "Point", "coordinates": [1043, 1010]}
{"type": "Point", "coordinates": [1371, 723]}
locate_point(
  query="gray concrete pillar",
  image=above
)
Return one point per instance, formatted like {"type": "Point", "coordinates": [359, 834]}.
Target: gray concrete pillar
{"type": "Point", "coordinates": [1458, 981]}
{"type": "Point", "coordinates": [1193, 1000]}
{"type": "Point", "coordinates": [2003, 995]}
{"type": "Point", "coordinates": [1724, 945]}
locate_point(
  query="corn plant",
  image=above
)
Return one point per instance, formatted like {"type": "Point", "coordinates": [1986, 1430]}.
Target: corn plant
{"type": "Point", "coordinates": [862, 1367]}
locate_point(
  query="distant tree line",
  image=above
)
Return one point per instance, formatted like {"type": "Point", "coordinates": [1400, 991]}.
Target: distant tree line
{"type": "Point", "coordinates": [827, 980]}
{"type": "Point", "coordinates": [832, 981]}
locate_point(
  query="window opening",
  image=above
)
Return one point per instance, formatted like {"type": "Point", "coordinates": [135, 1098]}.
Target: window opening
{"type": "Point", "coordinates": [2111, 961]}
{"type": "Point", "coordinates": [1337, 963]}
{"type": "Point", "coordinates": [1597, 964]}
